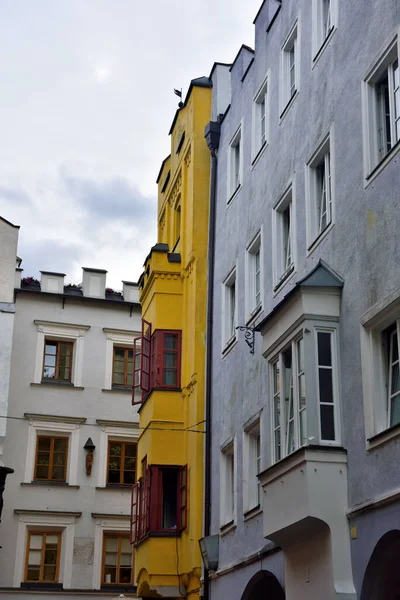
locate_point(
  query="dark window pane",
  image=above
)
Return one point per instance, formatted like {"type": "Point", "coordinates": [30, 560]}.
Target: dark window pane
{"type": "Point", "coordinates": [119, 353]}
{"type": "Point", "coordinates": [170, 377]}
{"type": "Point", "coordinates": [118, 379]}
{"type": "Point", "coordinates": [43, 458]}
{"type": "Point", "coordinates": [50, 556]}
{"type": "Point", "coordinates": [325, 385]}
{"type": "Point", "coordinates": [395, 412]}
{"type": "Point", "coordinates": [171, 341]}
{"type": "Point", "coordinates": [113, 476]}
{"type": "Point", "coordinates": [64, 373]}
{"type": "Point", "coordinates": [49, 573]}
{"type": "Point", "coordinates": [395, 379]}
{"type": "Point", "coordinates": [129, 477]}
{"type": "Point", "coordinates": [42, 472]}
{"type": "Point", "coordinates": [327, 422]}
{"type": "Point", "coordinates": [170, 359]}
{"type": "Point", "coordinates": [130, 355]}
{"type": "Point", "coordinates": [58, 473]}
{"type": "Point", "coordinates": [169, 498]}
{"type": "Point", "coordinates": [395, 356]}
{"type": "Point", "coordinates": [125, 575]}
{"type": "Point", "coordinates": [44, 444]}
{"type": "Point", "coordinates": [130, 450]}
{"type": "Point", "coordinates": [60, 445]}
{"type": "Point", "coordinates": [324, 349]}
{"type": "Point", "coordinates": [115, 449]}
{"type": "Point", "coordinates": [109, 574]}
{"type": "Point", "coordinates": [129, 380]}
{"type": "Point", "coordinates": [33, 573]}
{"type": "Point", "coordinates": [58, 460]}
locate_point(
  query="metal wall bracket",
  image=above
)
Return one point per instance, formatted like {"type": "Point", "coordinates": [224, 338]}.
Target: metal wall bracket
{"type": "Point", "coordinates": [249, 335]}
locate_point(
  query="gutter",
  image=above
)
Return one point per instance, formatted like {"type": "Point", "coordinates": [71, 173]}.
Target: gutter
{"type": "Point", "coordinates": [212, 135]}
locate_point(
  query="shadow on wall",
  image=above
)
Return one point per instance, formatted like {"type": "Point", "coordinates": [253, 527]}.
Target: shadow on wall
{"type": "Point", "coordinates": [263, 585]}
{"type": "Point", "coordinates": [382, 576]}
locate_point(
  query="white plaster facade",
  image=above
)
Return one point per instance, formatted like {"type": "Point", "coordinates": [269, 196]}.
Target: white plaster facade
{"type": "Point", "coordinates": [83, 508]}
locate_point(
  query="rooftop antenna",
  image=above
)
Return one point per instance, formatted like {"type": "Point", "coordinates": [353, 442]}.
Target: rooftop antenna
{"type": "Point", "coordinates": [179, 94]}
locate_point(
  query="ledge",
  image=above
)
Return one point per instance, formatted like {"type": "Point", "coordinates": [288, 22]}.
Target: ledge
{"type": "Point", "coordinates": [53, 513]}
{"type": "Point", "coordinates": [227, 528]}
{"type": "Point", "coordinates": [253, 512]}
{"type": "Point", "coordinates": [63, 325]}
{"type": "Point", "coordinates": [233, 196]}
{"type": "Point", "coordinates": [288, 106]}
{"type": "Point", "coordinates": [54, 418]}
{"type": "Point", "coordinates": [115, 488]}
{"type": "Point", "coordinates": [109, 423]}
{"type": "Point", "coordinates": [60, 386]}
{"type": "Point", "coordinates": [382, 164]}
{"type": "Point", "coordinates": [109, 516]}
{"type": "Point", "coordinates": [51, 484]}
{"type": "Point", "coordinates": [324, 45]}
{"type": "Point", "coordinates": [379, 502]}
{"type": "Point", "coordinates": [229, 346]}
{"type": "Point", "coordinates": [383, 437]}
{"type": "Point", "coordinates": [115, 390]}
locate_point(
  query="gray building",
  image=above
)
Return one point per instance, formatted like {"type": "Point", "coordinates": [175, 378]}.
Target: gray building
{"type": "Point", "coordinates": [305, 487]}
{"type": "Point", "coordinates": [71, 439]}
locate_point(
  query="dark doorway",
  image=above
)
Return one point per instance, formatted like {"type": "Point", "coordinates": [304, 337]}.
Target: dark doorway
{"type": "Point", "coordinates": [263, 586]}
{"type": "Point", "coordinates": [382, 576]}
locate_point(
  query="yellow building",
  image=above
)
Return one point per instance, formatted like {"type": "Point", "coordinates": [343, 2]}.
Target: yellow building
{"type": "Point", "coordinates": [167, 504]}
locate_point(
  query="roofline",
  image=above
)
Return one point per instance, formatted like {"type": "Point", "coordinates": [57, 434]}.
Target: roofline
{"type": "Point", "coordinates": [218, 64]}
{"type": "Point", "coordinates": [261, 7]}
{"type": "Point", "coordinates": [72, 297]}
{"type": "Point", "coordinates": [9, 223]}
{"type": "Point", "coordinates": [242, 47]}
{"type": "Point", "coordinates": [94, 270]}
{"type": "Point", "coordinates": [191, 86]}
{"type": "Point", "coordinates": [52, 273]}
{"type": "Point", "coordinates": [162, 167]}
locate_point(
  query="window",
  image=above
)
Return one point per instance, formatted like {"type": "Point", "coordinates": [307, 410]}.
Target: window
{"type": "Point", "coordinates": [159, 502]}
{"type": "Point", "coordinates": [252, 466]}
{"type": "Point", "coordinates": [122, 367]}
{"type": "Point", "coordinates": [290, 68]}
{"type": "Point", "coordinates": [391, 338]}
{"type": "Point", "coordinates": [121, 464]}
{"type": "Point", "coordinates": [177, 224]}
{"type": "Point", "coordinates": [57, 363]}
{"type": "Point", "coordinates": [228, 485]}
{"type": "Point", "coordinates": [42, 561]}
{"type": "Point", "coordinates": [235, 164]}
{"type": "Point", "coordinates": [381, 96]}
{"type": "Point", "coordinates": [229, 309]}
{"type": "Point", "coordinates": [254, 276]}
{"type": "Point", "coordinates": [320, 192]}
{"type": "Point", "coordinates": [325, 20]}
{"type": "Point", "coordinates": [51, 458]}
{"type": "Point", "coordinates": [283, 235]}
{"type": "Point", "coordinates": [260, 119]}
{"type": "Point", "coordinates": [117, 564]}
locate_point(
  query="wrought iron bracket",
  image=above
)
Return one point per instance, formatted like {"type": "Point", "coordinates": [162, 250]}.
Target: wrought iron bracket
{"type": "Point", "coordinates": [249, 335]}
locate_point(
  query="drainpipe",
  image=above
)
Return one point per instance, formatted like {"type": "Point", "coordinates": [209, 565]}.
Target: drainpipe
{"type": "Point", "coordinates": [212, 135]}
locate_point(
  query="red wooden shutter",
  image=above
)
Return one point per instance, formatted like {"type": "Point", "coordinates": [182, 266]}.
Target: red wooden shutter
{"type": "Point", "coordinates": [137, 349]}
{"type": "Point", "coordinates": [183, 497]}
{"type": "Point", "coordinates": [145, 363]}
{"type": "Point", "coordinates": [135, 500]}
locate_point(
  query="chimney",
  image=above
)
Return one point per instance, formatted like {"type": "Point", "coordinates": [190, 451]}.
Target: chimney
{"type": "Point", "coordinates": [52, 283]}
{"type": "Point", "coordinates": [94, 283]}
{"type": "Point", "coordinates": [18, 277]}
{"type": "Point", "coordinates": [130, 291]}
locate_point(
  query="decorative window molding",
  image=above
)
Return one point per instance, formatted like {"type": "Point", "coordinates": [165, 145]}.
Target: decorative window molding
{"type": "Point", "coordinates": [48, 330]}
{"type": "Point", "coordinates": [380, 106]}
{"type": "Point", "coordinates": [115, 337]}
{"type": "Point", "coordinates": [229, 309]}
{"type": "Point", "coordinates": [252, 464]}
{"type": "Point", "coordinates": [284, 236]}
{"type": "Point", "coordinates": [380, 328]}
{"type": "Point", "coordinates": [64, 522]}
{"type": "Point", "coordinates": [112, 433]}
{"type": "Point", "coordinates": [325, 18]}
{"type": "Point", "coordinates": [320, 191]}
{"type": "Point", "coordinates": [228, 479]}
{"type": "Point", "coordinates": [261, 117]}
{"type": "Point", "coordinates": [254, 276]}
{"type": "Point", "coordinates": [104, 524]}
{"type": "Point", "coordinates": [235, 164]}
{"type": "Point", "coordinates": [290, 69]}
{"type": "Point", "coordinates": [38, 426]}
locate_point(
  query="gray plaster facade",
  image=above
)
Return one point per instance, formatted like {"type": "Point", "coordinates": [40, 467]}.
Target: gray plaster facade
{"type": "Point", "coordinates": [333, 111]}
{"type": "Point", "coordinates": [84, 508]}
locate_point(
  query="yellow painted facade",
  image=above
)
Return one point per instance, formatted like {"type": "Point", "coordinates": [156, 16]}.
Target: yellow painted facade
{"type": "Point", "coordinates": [173, 297]}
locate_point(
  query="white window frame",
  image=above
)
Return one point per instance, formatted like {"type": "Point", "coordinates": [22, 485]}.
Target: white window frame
{"type": "Point", "coordinates": [228, 481]}
{"type": "Point", "coordinates": [288, 95]}
{"type": "Point", "coordinates": [321, 34]}
{"type": "Point", "coordinates": [51, 426]}
{"type": "Point", "coordinates": [255, 247]}
{"type": "Point", "coordinates": [117, 433]}
{"type": "Point", "coordinates": [311, 375]}
{"type": "Point", "coordinates": [374, 159]}
{"type": "Point", "coordinates": [324, 156]}
{"type": "Point", "coordinates": [281, 270]}
{"type": "Point", "coordinates": [261, 113]}
{"type": "Point", "coordinates": [252, 464]}
{"type": "Point", "coordinates": [120, 338]}
{"type": "Point", "coordinates": [113, 524]}
{"type": "Point", "coordinates": [228, 337]}
{"type": "Point", "coordinates": [48, 330]}
{"type": "Point", "coordinates": [235, 180]}
{"type": "Point", "coordinates": [30, 521]}
{"type": "Point", "coordinates": [375, 370]}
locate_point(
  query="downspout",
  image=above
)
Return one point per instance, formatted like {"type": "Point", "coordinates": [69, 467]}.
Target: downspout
{"type": "Point", "coordinates": [212, 135]}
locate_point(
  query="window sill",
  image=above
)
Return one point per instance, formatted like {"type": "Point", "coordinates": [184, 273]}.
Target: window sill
{"type": "Point", "coordinates": [233, 196]}
{"type": "Point", "coordinates": [59, 385]}
{"type": "Point", "coordinates": [61, 484]}
{"type": "Point", "coordinates": [111, 587]}
{"type": "Point", "coordinates": [319, 239]}
{"type": "Point", "coordinates": [253, 512]}
{"type": "Point", "coordinates": [383, 436]}
{"type": "Point", "coordinates": [116, 390]}
{"type": "Point", "coordinates": [323, 46]}
{"type": "Point", "coordinates": [229, 346]}
{"type": "Point", "coordinates": [253, 315]}
{"type": "Point", "coordinates": [257, 157]}
{"type": "Point", "coordinates": [382, 164]}
{"type": "Point", "coordinates": [288, 106]}
{"type": "Point", "coordinates": [33, 585]}
{"type": "Point", "coordinates": [116, 488]}
{"type": "Point", "coordinates": [227, 528]}
{"type": "Point", "coordinates": [283, 280]}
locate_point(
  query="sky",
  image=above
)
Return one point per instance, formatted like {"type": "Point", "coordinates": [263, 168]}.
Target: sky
{"type": "Point", "coordinates": [86, 104]}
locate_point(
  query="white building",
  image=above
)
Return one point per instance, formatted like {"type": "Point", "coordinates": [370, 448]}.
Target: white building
{"type": "Point", "coordinates": [71, 440]}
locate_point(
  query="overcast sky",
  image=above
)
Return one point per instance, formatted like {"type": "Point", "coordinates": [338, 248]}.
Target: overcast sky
{"type": "Point", "coordinates": [85, 108]}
